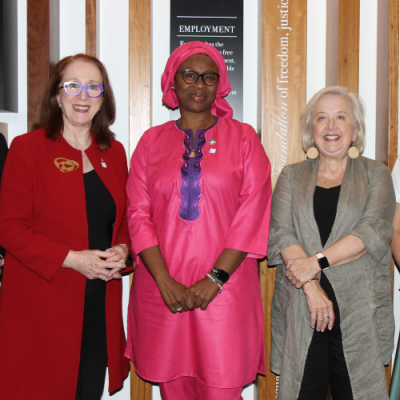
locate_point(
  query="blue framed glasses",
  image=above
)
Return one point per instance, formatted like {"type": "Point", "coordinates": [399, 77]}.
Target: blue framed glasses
{"type": "Point", "coordinates": [73, 89]}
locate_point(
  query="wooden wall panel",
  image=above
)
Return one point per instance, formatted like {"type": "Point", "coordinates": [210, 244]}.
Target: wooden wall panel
{"type": "Point", "coordinates": [91, 27]}
{"type": "Point", "coordinates": [38, 55]}
{"type": "Point", "coordinates": [140, 389]}
{"type": "Point", "coordinates": [284, 46]}
{"type": "Point", "coordinates": [139, 69]}
{"type": "Point", "coordinates": [139, 112]}
{"type": "Point", "coordinates": [393, 99]}
{"type": "Point", "coordinates": [393, 81]}
{"type": "Point", "coordinates": [382, 83]}
{"type": "Point", "coordinates": [332, 42]}
{"type": "Point", "coordinates": [349, 39]}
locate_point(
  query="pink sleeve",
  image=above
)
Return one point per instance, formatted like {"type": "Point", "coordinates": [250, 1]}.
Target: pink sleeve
{"type": "Point", "coordinates": [250, 227]}
{"type": "Point", "coordinates": [140, 222]}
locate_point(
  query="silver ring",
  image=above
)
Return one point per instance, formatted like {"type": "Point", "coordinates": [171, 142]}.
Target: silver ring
{"type": "Point", "coordinates": [326, 318]}
{"type": "Point", "coordinates": [178, 309]}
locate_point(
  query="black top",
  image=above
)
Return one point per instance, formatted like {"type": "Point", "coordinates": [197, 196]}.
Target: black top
{"type": "Point", "coordinates": [101, 212]}
{"type": "Point", "coordinates": [3, 155]}
{"type": "Point", "coordinates": [325, 206]}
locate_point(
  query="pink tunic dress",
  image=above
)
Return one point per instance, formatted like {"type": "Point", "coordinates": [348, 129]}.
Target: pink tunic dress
{"type": "Point", "coordinates": [193, 208]}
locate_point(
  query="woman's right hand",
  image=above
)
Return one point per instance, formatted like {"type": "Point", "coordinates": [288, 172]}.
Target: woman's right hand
{"type": "Point", "coordinates": [90, 264]}
{"type": "Point", "coordinates": [175, 295]}
{"type": "Point", "coordinates": [321, 308]}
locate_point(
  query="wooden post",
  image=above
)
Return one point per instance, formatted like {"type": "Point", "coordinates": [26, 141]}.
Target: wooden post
{"type": "Point", "coordinates": [284, 46]}
{"type": "Point", "coordinates": [139, 112]}
{"type": "Point", "coordinates": [91, 36]}
{"type": "Point", "coordinates": [393, 101]}
{"type": "Point", "coordinates": [38, 55]}
{"type": "Point", "coordinates": [394, 81]}
{"type": "Point", "coordinates": [349, 38]}
{"type": "Point", "coordinates": [139, 69]}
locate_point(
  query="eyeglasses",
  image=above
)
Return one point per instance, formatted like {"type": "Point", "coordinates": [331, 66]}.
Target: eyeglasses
{"type": "Point", "coordinates": [73, 89]}
{"type": "Point", "coordinates": [189, 76]}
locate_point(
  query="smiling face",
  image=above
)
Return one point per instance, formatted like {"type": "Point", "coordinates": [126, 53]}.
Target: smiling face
{"type": "Point", "coordinates": [79, 111]}
{"type": "Point", "coordinates": [196, 97]}
{"type": "Point", "coordinates": [333, 128]}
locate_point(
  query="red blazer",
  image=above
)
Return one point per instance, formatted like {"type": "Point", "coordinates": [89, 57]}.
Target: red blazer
{"type": "Point", "coordinates": [42, 217]}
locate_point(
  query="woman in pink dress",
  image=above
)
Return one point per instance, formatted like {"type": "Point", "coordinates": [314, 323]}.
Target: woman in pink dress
{"type": "Point", "coordinates": [199, 194]}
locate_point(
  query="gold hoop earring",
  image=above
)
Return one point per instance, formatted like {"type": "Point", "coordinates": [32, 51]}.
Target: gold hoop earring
{"type": "Point", "coordinates": [353, 152]}
{"type": "Point", "coordinates": [312, 152]}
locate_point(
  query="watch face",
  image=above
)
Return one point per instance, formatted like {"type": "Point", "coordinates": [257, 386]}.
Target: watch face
{"type": "Point", "coordinates": [323, 263]}
{"type": "Point", "coordinates": [221, 275]}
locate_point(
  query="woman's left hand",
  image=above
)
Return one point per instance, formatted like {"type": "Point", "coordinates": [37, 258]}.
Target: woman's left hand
{"type": "Point", "coordinates": [301, 270]}
{"type": "Point", "coordinates": [203, 292]}
{"type": "Point", "coordinates": [120, 255]}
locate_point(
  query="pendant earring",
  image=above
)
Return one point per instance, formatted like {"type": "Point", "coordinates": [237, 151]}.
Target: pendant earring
{"type": "Point", "coordinates": [353, 152]}
{"type": "Point", "coordinates": [59, 105]}
{"type": "Point", "coordinates": [312, 152]}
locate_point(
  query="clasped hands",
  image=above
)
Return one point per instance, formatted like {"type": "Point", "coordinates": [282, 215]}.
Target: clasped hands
{"type": "Point", "coordinates": [97, 264]}
{"type": "Point", "coordinates": [178, 298]}
{"type": "Point", "coordinates": [301, 270]}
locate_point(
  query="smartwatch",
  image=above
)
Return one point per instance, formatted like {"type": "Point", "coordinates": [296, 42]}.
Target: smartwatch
{"type": "Point", "coordinates": [220, 275]}
{"type": "Point", "coordinates": [322, 261]}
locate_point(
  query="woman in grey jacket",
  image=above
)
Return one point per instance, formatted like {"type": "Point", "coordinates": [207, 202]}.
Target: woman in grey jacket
{"type": "Point", "coordinates": [331, 226]}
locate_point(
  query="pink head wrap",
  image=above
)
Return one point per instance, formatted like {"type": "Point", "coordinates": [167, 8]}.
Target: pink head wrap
{"type": "Point", "coordinates": [220, 107]}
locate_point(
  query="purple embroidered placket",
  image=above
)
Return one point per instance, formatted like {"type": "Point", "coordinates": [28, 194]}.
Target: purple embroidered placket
{"type": "Point", "coordinates": [191, 173]}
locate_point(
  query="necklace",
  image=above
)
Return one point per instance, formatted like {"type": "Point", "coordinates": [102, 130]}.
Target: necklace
{"type": "Point", "coordinates": [191, 155]}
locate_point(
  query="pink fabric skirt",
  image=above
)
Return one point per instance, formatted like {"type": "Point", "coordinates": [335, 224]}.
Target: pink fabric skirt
{"type": "Point", "coordinates": [222, 347]}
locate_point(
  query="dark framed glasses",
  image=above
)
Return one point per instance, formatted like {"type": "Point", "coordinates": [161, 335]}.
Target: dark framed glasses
{"type": "Point", "coordinates": [73, 89]}
{"type": "Point", "coordinates": [190, 77]}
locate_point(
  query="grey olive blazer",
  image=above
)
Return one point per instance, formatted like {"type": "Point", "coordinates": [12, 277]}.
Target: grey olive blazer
{"type": "Point", "coordinates": [363, 288]}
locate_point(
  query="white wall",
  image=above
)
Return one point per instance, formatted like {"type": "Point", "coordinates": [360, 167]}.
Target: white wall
{"type": "Point", "coordinates": [316, 46]}
{"type": "Point", "coordinates": [367, 69]}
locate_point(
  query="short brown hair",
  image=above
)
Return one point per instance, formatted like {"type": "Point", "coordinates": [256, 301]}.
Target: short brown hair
{"type": "Point", "coordinates": [51, 115]}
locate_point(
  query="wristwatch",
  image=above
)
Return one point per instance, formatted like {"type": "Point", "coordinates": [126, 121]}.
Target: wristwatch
{"type": "Point", "coordinates": [220, 274]}
{"type": "Point", "coordinates": [322, 261]}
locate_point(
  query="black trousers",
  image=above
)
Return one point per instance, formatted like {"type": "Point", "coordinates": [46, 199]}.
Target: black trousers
{"type": "Point", "coordinates": [93, 362]}
{"type": "Point", "coordinates": [325, 363]}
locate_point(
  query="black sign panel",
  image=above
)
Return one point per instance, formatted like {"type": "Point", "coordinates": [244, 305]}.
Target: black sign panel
{"type": "Point", "coordinates": [220, 24]}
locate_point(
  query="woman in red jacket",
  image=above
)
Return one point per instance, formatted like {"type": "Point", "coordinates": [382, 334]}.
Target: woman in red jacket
{"type": "Point", "coordinates": [63, 225]}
